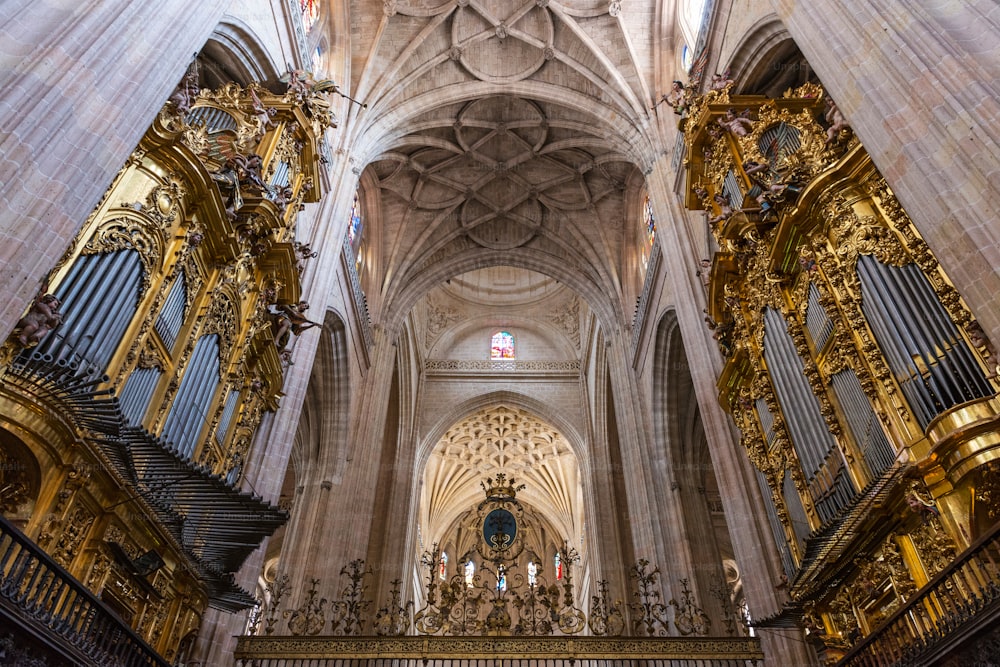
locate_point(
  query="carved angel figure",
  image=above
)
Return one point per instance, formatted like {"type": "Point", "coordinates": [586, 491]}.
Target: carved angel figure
{"type": "Point", "coordinates": [978, 338]}
{"type": "Point", "coordinates": [677, 98]}
{"type": "Point", "coordinates": [720, 81]}
{"type": "Point", "coordinates": [291, 319]}
{"type": "Point", "coordinates": [725, 208]}
{"type": "Point", "coordinates": [264, 114]}
{"type": "Point", "coordinates": [836, 120]}
{"type": "Point", "coordinates": [186, 93]}
{"type": "Point", "coordinates": [738, 124]}
{"type": "Point", "coordinates": [43, 317]}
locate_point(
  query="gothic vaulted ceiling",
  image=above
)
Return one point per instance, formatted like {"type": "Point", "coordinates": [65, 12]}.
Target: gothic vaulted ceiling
{"type": "Point", "coordinates": [503, 135]}
{"type": "Point", "coordinates": [502, 132]}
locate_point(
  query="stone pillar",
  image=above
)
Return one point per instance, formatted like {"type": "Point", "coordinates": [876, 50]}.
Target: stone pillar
{"type": "Point", "coordinates": [755, 551]}
{"type": "Point", "coordinates": [918, 82]}
{"type": "Point", "coordinates": [81, 82]}
{"type": "Point", "coordinates": [268, 460]}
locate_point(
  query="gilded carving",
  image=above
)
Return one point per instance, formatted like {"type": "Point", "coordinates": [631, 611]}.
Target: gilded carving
{"type": "Point", "coordinates": [128, 233]}
{"type": "Point", "coordinates": [99, 571]}
{"type": "Point", "coordinates": [150, 357]}
{"type": "Point", "coordinates": [309, 618]}
{"type": "Point", "coordinates": [936, 548]}
{"type": "Point", "coordinates": [14, 490]}
{"type": "Point", "coordinates": [689, 618]}
{"type": "Point", "coordinates": [222, 319]}
{"type": "Point", "coordinates": [75, 530]}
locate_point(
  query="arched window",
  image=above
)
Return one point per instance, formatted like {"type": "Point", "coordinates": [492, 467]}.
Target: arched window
{"type": "Point", "coordinates": [649, 232]}
{"type": "Point", "coordinates": [317, 62]}
{"type": "Point", "coordinates": [502, 345]}
{"type": "Point", "coordinates": [649, 221]}
{"type": "Point", "coordinates": [532, 573]}
{"type": "Point", "coordinates": [355, 231]}
{"type": "Point", "coordinates": [310, 13]}
{"type": "Point", "coordinates": [443, 566]}
{"type": "Point", "coordinates": [501, 578]}
{"type": "Point", "coordinates": [557, 562]}
{"type": "Point", "coordinates": [692, 15]}
{"type": "Point", "coordinates": [470, 573]}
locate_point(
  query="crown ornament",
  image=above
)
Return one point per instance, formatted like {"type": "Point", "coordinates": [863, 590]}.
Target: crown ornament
{"type": "Point", "coordinates": [501, 487]}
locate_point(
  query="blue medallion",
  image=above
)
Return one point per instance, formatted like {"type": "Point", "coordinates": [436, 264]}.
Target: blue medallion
{"type": "Point", "coordinates": [499, 529]}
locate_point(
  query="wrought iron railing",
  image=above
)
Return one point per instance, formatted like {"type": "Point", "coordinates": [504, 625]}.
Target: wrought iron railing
{"type": "Point", "coordinates": [40, 597]}
{"type": "Point", "coordinates": [957, 602]}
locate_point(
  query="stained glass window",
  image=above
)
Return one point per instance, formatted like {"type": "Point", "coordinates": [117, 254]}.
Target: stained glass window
{"type": "Point", "coordinates": [317, 62]}
{"type": "Point", "coordinates": [532, 573]}
{"type": "Point", "coordinates": [649, 221]}
{"type": "Point", "coordinates": [558, 564]}
{"type": "Point", "coordinates": [502, 345]}
{"type": "Point", "coordinates": [354, 230]}
{"type": "Point", "coordinates": [470, 573]}
{"type": "Point", "coordinates": [310, 13]}
{"type": "Point", "coordinates": [501, 579]}
{"type": "Point", "coordinates": [443, 566]}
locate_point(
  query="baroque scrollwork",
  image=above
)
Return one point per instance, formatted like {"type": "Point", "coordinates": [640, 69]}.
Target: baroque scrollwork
{"type": "Point", "coordinates": [127, 233]}
{"type": "Point", "coordinates": [649, 614]}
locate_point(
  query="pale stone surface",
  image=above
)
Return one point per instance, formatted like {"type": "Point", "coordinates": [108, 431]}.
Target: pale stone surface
{"type": "Point", "coordinates": [530, 162]}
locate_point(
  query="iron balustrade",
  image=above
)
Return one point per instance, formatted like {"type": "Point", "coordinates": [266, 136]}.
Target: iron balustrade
{"type": "Point", "coordinates": [41, 596]}
{"type": "Point", "coordinates": [960, 600]}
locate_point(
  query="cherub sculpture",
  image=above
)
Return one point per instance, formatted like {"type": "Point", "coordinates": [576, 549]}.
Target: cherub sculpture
{"type": "Point", "coordinates": [720, 81]}
{"type": "Point", "coordinates": [263, 113]}
{"type": "Point", "coordinates": [738, 124]}
{"type": "Point", "coordinates": [186, 93]}
{"type": "Point", "coordinates": [283, 198]}
{"type": "Point", "coordinates": [43, 317]}
{"type": "Point", "coordinates": [291, 319]}
{"type": "Point", "coordinates": [303, 253]}
{"type": "Point", "coordinates": [836, 120]}
{"type": "Point", "coordinates": [725, 208]}
{"type": "Point", "coordinates": [978, 338]}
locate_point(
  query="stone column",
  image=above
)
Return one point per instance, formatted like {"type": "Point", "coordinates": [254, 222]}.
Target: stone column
{"type": "Point", "coordinates": [268, 460]}
{"type": "Point", "coordinates": [755, 551]}
{"type": "Point", "coordinates": [81, 82]}
{"type": "Point", "coordinates": [919, 83]}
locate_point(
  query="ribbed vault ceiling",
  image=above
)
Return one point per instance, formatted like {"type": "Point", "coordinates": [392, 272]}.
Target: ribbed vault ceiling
{"type": "Point", "coordinates": [503, 133]}
{"type": "Point", "coordinates": [498, 126]}
{"type": "Point", "coordinates": [501, 439]}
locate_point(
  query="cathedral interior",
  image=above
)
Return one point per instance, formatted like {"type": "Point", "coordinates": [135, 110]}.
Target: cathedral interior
{"type": "Point", "coordinates": [491, 333]}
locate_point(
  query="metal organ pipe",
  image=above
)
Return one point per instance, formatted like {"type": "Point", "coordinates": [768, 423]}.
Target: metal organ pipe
{"type": "Point", "coordinates": [909, 322]}
{"type": "Point", "coordinates": [227, 415]}
{"type": "Point", "coordinates": [137, 393]}
{"type": "Point", "coordinates": [190, 404]}
{"type": "Point", "coordinates": [894, 344]}
{"type": "Point", "coordinates": [966, 375]}
{"type": "Point", "coordinates": [115, 314]}
{"type": "Point", "coordinates": [168, 324]}
{"type": "Point", "coordinates": [818, 453]}
{"type": "Point", "coordinates": [863, 422]}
